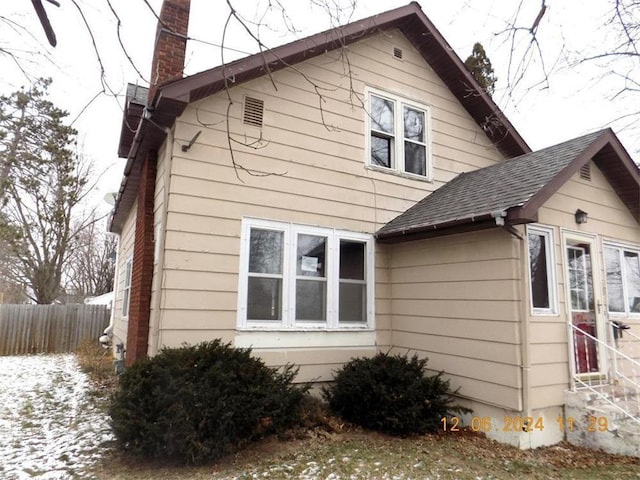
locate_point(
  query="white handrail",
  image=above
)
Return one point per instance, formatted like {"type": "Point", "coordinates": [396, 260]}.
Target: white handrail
{"type": "Point", "coordinates": [615, 355]}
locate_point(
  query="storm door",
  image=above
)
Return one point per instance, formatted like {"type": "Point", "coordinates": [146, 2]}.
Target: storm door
{"type": "Point", "coordinates": [585, 307]}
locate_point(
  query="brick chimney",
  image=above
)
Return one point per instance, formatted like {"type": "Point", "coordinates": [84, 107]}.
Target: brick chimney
{"type": "Point", "coordinates": [171, 44]}
{"type": "Point", "coordinates": [167, 65]}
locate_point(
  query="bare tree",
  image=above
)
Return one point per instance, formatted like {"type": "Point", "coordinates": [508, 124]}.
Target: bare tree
{"type": "Point", "coordinates": [90, 269]}
{"type": "Point", "coordinates": [43, 184]}
{"type": "Point", "coordinates": [537, 50]}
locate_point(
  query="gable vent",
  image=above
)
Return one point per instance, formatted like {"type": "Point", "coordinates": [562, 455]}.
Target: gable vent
{"type": "Point", "coordinates": [397, 52]}
{"type": "Point", "coordinates": [253, 111]}
{"type": "Point", "coordinates": [585, 171]}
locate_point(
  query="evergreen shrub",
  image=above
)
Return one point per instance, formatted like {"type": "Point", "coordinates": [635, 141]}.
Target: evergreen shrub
{"type": "Point", "coordinates": [197, 403]}
{"type": "Point", "coordinates": [391, 394]}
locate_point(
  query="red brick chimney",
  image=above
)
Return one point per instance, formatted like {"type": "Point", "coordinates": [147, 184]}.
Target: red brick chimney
{"type": "Point", "coordinates": [171, 44]}
{"type": "Point", "coordinates": [167, 65]}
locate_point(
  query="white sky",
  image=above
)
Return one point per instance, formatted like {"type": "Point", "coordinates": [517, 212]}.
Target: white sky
{"type": "Point", "coordinates": [577, 100]}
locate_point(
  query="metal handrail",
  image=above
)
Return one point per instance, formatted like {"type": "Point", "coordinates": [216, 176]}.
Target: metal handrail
{"type": "Point", "coordinates": [615, 354]}
{"type": "Point", "coordinates": [627, 330]}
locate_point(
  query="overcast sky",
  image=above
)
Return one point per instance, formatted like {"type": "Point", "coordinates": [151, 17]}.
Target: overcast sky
{"type": "Point", "coordinates": [575, 101]}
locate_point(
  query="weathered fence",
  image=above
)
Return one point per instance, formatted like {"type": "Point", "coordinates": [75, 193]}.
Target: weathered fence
{"type": "Point", "coordinates": [28, 329]}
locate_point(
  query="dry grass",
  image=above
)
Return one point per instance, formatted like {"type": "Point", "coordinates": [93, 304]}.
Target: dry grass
{"type": "Point", "coordinates": [97, 363]}
{"type": "Point", "coordinates": [356, 454]}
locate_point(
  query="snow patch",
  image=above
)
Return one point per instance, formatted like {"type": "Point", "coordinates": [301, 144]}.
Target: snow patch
{"type": "Point", "coordinates": [49, 429]}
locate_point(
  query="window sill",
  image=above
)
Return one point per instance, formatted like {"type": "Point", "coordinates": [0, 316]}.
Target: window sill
{"type": "Point", "coordinates": [391, 171]}
{"type": "Point", "coordinates": [544, 313]}
{"type": "Point", "coordinates": [311, 338]}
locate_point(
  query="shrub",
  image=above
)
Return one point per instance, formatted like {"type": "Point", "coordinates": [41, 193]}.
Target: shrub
{"type": "Point", "coordinates": [391, 394]}
{"type": "Point", "coordinates": [197, 403]}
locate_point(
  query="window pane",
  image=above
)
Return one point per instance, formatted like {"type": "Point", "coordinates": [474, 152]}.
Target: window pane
{"type": "Point", "coordinates": [615, 295]}
{"type": "Point", "coordinates": [352, 255]}
{"type": "Point", "coordinates": [265, 254]}
{"type": "Point", "coordinates": [413, 124]}
{"type": "Point", "coordinates": [264, 299]}
{"type": "Point", "coordinates": [381, 114]}
{"type": "Point", "coordinates": [311, 300]}
{"type": "Point", "coordinates": [381, 151]}
{"type": "Point", "coordinates": [538, 269]}
{"type": "Point", "coordinates": [415, 158]}
{"type": "Point", "coordinates": [632, 278]}
{"type": "Point", "coordinates": [353, 302]}
{"type": "Point", "coordinates": [311, 255]}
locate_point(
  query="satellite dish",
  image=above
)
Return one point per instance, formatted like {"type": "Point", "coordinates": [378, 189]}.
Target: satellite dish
{"type": "Point", "coordinates": [110, 198]}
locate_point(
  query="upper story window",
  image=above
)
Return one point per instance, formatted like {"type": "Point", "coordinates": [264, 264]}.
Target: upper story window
{"type": "Point", "coordinates": [296, 276]}
{"type": "Point", "coordinates": [398, 137]}
{"type": "Point", "coordinates": [622, 266]}
{"type": "Point", "coordinates": [542, 270]}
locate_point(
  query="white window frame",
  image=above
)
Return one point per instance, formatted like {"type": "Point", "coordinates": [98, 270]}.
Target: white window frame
{"type": "Point", "coordinates": [548, 235]}
{"type": "Point", "coordinates": [397, 151]}
{"type": "Point", "coordinates": [126, 288]}
{"type": "Point", "coordinates": [621, 248]}
{"type": "Point", "coordinates": [291, 231]}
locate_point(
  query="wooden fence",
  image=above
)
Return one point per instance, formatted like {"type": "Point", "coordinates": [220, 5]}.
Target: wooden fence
{"type": "Point", "coordinates": [26, 329]}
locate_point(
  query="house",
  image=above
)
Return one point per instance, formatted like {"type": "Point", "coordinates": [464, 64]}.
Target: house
{"type": "Point", "coordinates": [357, 191]}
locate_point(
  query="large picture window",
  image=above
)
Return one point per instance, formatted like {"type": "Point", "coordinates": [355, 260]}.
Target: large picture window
{"type": "Point", "coordinates": [541, 270]}
{"type": "Point", "coordinates": [295, 276]}
{"type": "Point", "coordinates": [398, 134]}
{"type": "Point", "coordinates": [623, 279]}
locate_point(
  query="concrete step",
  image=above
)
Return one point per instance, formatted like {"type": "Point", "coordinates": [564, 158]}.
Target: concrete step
{"type": "Point", "coordinates": [596, 421]}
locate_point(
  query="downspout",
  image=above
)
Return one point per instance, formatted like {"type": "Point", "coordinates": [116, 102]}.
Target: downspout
{"type": "Point", "coordinates": [107, 334]}
{"type": "Point", "coordinates": [525, 326]}
{"type": "Point", "coordinates": [525, 361]}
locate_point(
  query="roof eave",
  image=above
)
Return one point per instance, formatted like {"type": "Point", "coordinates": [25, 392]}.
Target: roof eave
{"type": "Point", "coordinates": [629, 180]}
{"type": "Point", "coordinates": [414, 24]}
{"type": "Point", "coordinates": [172, 98]}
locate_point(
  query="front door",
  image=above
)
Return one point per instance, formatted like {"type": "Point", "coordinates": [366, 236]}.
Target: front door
{"type": "Point", "coordinates": [585, 306]}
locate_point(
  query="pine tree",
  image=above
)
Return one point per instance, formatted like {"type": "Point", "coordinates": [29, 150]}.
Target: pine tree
{"type": "Point", "coordinates": [42, 181]}
{"type": "Point", "coordinates": [480, 67]}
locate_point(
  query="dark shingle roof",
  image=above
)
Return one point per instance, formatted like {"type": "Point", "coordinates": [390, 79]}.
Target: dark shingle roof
{"type": "Point", "coordinates": [481, 194]}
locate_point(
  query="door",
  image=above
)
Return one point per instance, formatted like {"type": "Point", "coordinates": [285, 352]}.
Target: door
{"type": "Point", "coordinates": [585, 306]}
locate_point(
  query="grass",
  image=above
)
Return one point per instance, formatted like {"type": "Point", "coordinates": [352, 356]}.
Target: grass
{"type": "Point", "coordinates": [358, 454]}
{"type": "Point", "coordinates": [327, 449]}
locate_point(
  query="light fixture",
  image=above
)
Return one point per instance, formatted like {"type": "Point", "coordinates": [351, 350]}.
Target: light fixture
{"type": "Point", "coordinates": [581, 216]}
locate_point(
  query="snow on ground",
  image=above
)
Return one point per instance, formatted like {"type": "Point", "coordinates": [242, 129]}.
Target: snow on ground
{"type": "Point", "coordinates": [49, 429]}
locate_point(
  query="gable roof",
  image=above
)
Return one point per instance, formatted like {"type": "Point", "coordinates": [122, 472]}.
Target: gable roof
{"type": "Point", "coordinates": [516, 189]}
{"type": "Point", "coordinates": [172, 98]}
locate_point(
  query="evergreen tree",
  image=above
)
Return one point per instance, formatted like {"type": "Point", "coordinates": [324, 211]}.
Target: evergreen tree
{"type": "Point", "coordinates": [480, 67]}
{"type": "Point", "coordinates": [42, 181]}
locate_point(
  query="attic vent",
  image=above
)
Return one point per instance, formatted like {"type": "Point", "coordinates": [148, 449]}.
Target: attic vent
{"type": "Point", "coordinates": [585, 171]}
{"type": "Point", "coordinates": [253, 111]}
{"type": "Point", "coordinates": [397, 52]}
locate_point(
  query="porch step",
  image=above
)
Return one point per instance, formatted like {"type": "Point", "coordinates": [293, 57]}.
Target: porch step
{"type": "Point", "coordinates": [607, 420]}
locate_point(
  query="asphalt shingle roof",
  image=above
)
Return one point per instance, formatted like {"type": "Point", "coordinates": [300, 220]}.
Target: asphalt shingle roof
{"type": "Point", "coordinates": [496, 188]}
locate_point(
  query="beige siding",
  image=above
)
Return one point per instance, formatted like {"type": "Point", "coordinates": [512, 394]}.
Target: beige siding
{"type": "Point", "coordinates": [609, 219]}
{"type": "Point", "coordinates": [464, 321]}
{"type": "Point", "coordinates": [163, 183]}
{"type": "Point", "coordinates": [318, 176]}
{"type": "Point", "coordinates": [125, 252]}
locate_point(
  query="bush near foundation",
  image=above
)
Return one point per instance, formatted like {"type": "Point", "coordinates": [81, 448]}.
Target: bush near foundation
{"type": "Point", "coordinates": [391, 394]}
{"type": "Point", "coordinates": [197, 403]}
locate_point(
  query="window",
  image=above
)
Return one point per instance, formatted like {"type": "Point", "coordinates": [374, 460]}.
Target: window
{"type": "Point", "coordinates": [126, 290]}
{"type": "Point", "coordinates": [398, 135]}
{"type": "Point", "coordinates": [541, 270]}
{"type": "Point", "coordinates": [623, 279]}
{"type": "Point", "coordinates": [579, 270]}
{"type": "Point", "coordinates": [295, 276]}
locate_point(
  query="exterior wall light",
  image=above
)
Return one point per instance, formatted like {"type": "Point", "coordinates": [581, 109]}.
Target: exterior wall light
{"type": "Point", "coordinates": [581, 216]}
